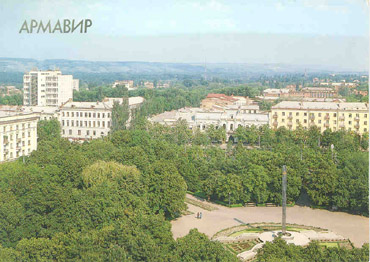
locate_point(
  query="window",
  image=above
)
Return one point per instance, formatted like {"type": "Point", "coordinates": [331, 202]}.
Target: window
{"type": "Point", "coordinates": [305, 114]}
{"type": "Point", "coordinates": [365, 122]}
{"type": "Point", "coordinates": [87, 132]}
{"type": "Point", "coordinates": [72, 124]}
{"type": "Point", "coordinates": [365, 129]}
{"type": "Point", "coordinates": [319, 114]}
{"type": "Point", "coordinates": [70, 132]}
{"type": "Point", "coordinates": [67, 113]}
{"type": "Point", "coordinates": [305, 121]}
{"type": "Point", "coordinates": [290, 113]}
{"type": "Point", "coordinates": [357, 115]}
{"type": "Point", "coordinates": [297, 114]}
{"type": "Point", "coordinates": [283, 120]}
{"type": "Point", "coordinates": [73, 114]}
{"type": "Point", "coordinates": [89, 114]}
{"type": "Point", "coordinates": [349, 122]}
{"type": "Point", "coordinates": [103, 115]}
{"type": "Point", "coordinates": [283, 114]}
{"type": "Point", "coordinates": [350, 115]}
{"type": "Point", "coordinates": [62, 122]}
{"type": "Point", "coordinates": [365, 115]}
{"type": "Point", "coordinates": [76, 114]}
{"type": "Point", "coordinates": [64, 132]}
{"type": "Point", "coordinates": [297, 121]}
{"type": "Point", "coordinates": [335, 114]}
{"type": "Point", "coordinates": [98, 115]}
{"type": "Point", "coordinates": [94, 115]}
{"type": "Point", "coordinates": [319, 121]}
{"type": "Point", "coordinates": [94, 133]}
{"type": "Point", "coordinates": [79, 132]}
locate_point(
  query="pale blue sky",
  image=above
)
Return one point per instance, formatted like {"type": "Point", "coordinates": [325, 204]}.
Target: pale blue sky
{"type": "Point", "coordinates": [182, 30]}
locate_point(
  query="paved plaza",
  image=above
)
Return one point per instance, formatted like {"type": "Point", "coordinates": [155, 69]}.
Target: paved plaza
{"type": "Point", "coordinates": [353, 227]}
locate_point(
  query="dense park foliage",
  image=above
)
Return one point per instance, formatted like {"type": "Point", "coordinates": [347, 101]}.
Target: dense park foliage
{"type": "Point", "coordinates": [279, 250]}
{"type": "Point", "coordinates": [111, 199]}
{"type": "Point", "coordinates": [96, 202]}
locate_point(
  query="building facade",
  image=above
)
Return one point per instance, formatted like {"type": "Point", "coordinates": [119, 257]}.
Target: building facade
{"type": "Point", "coordinates": [90, 120]}
{"type": "Point", "coordinates": [327, 115]}
{"type": "Point", "coordinates": [47, 88]}
{"type": "Point", "coordinates": [229, 118]}
{"type": "Point", "coordinates": [18, 134]}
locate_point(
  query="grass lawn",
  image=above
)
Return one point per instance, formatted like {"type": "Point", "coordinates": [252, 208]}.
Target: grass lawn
{"type": "Point", "coordinates": [248, 230]}
{"type": "Point", "coordinates": [295, 229]}
{"type": "Point", "coordinates": [329, 244]}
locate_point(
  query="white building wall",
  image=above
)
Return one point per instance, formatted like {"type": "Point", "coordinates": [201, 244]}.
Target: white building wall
{"type": "Point", "coordinates": [18, 135]}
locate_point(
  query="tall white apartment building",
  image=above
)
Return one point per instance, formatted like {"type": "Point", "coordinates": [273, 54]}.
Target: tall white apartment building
{"type": "Point", "coordinates": [47, 88]}
{"type": "Point", "coordinates": [18, 134]}
{"type": "Point", "coordinates": [90, 120]}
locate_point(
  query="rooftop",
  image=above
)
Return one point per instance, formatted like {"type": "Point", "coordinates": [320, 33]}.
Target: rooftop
{"type": "Point", "coordinates": [320, 105]}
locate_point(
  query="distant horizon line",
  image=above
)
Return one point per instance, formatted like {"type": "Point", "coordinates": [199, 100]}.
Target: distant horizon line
{"type": "Point", "coordinates": [301, 66]}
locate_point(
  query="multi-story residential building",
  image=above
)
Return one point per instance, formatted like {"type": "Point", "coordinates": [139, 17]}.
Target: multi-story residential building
{"type": "Point", "coordinates": [90, 120]}
{"type": "Point", "coordinates": [324, 115]}
{"type": "Point", "coordinates": [18, 134]}
{"type": "Point", "coordinates": [47, 88]}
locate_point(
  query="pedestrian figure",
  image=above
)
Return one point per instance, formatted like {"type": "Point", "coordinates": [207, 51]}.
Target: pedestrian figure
{"type": "Point", "coordinates": [200, 215]}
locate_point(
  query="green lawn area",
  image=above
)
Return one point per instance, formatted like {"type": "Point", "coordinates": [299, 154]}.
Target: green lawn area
{"type": "Point", "coordinates": [295, 229]}
{"type": "Point", "coordinates": [248, 230]}
{"type": "Point", "coordinates": [329, 244]}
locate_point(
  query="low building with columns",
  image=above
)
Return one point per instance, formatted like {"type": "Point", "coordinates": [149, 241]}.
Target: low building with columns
{"type": "Point", "coordinates": [229, 118]}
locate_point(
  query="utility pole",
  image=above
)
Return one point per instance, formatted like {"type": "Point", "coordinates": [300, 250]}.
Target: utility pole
{"type": "Point", "coordinates": [284, 184]}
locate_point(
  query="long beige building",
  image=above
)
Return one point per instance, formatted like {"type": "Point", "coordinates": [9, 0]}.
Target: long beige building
{"type": "Point", "coordinates": [324, 115]}
{"type": "Point", "coordinates": [18, 134]}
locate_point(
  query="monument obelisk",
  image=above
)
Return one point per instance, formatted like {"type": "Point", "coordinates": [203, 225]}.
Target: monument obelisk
{"type": "Point", "coordinates": [284, 184]}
